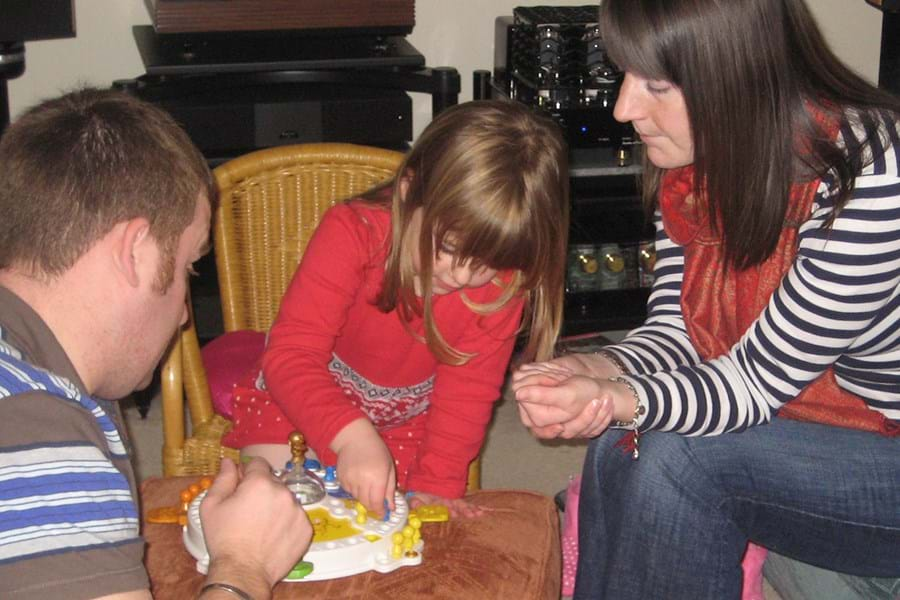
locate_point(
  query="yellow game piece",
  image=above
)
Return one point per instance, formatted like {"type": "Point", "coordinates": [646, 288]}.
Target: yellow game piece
{"type": "Point", "coordinates": [194, 489]}
{"type": "Point", "coordinates": [361, 514]}
{"type": "Point", "coordinates": [433, 513]}
{"type": "Point", "coordinates": [397, 545]}
{"type": "Point", "coordinates": [408, 542]}
{"type": "Point", "coordinates": [416, 523]}
{"type": "Point", "coordinates": [205, 483]}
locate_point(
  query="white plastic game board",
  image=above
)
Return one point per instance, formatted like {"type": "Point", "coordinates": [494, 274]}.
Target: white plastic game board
{"type": "Point", "coordinates": [345, 541]}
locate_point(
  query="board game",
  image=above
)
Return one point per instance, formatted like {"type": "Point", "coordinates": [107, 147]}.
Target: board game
{"type": "Point", "coordinates": [346, 541]}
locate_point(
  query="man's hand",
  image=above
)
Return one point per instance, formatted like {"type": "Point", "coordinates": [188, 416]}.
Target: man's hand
{"type": "Point", "coordinates": [255, 531]}
{"type": "Point", "coordinates": [365, 466]}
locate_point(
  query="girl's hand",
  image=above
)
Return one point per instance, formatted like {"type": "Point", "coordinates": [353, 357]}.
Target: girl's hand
{"type": "Point", "coordinates": [457, 507]}
{"type": "Point", "coordinates": [365, 466]}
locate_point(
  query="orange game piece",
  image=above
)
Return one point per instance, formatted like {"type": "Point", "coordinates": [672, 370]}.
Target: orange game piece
{"type": "Point", "coordinates": [178, 514]}
{"type": "Point", "coordinates": [163, 514]}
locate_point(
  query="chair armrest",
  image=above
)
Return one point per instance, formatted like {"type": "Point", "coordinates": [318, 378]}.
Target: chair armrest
{"type": "Point", "coordinates": [172, 391]}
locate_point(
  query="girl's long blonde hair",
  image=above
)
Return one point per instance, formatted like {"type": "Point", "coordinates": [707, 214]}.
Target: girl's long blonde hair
{"type": "Point", "coordinates": [493, 177]}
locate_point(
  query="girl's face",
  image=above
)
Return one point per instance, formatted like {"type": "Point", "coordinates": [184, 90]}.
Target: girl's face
{"type": "Point", "coordinates": [448, 277]}
{"type": "Point", "coordinates": [658, 112]}
{"type": "Point", "coordinates": [447, 274]}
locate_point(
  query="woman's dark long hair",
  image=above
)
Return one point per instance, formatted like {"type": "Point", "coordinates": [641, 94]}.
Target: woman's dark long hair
{"type": "Point", "coordinates": [752, 72]}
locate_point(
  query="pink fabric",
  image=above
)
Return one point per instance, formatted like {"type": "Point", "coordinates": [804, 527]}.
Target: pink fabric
{"type": "Point", "coordinates": [754, 559]}
{"type": "Point", "coordinates": [570, 536]}
{"type": "Point", "coordinates": [752, 565]}
{"type": "Point", "coordinates": [228, 358]}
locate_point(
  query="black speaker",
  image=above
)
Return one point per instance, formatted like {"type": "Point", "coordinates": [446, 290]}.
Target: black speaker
{"type": "Point", "coordinates": [24, 21]}
{"type": "Point", "coordinates": [29, 20]}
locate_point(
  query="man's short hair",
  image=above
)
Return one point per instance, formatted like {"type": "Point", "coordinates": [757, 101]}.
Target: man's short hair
{"type": "Point", "coordinates": [73, 167]}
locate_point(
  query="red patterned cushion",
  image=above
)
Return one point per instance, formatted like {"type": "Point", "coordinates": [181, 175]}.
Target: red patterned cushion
{"type": "Point", "coordinates": [228, 358]}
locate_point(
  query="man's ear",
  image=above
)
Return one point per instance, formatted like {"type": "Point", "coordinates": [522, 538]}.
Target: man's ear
{"type": "Point", "coordinates": [131, 244]}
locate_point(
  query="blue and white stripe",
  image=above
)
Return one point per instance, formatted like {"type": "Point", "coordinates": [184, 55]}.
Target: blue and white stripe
{"type": "Point", "coordinates": [838, 305]}
{"type": "Point", "coordinates": [60, 498]}
{"type": "Point", "coordinates": [18, 377]}
{"type": "Point", "coordinates": [63, 496]}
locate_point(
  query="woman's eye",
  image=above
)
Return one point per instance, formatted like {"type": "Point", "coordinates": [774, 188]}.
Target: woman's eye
{"type": "Point", "coordinates": [658, 87]}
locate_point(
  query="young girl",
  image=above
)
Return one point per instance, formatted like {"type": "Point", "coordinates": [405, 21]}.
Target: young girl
{"type": "Point", "coordinates": [394, 336]}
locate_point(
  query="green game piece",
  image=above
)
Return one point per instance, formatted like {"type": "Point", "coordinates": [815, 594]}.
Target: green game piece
{"type": "Point", "coordinates": [300, 570]}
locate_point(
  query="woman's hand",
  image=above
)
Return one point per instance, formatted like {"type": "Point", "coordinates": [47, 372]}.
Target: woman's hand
{"type": "Point", "coordinates": [457, 507]}
{"type": "Point", "coordinates": [365, 466]}
{"type": "Point", "coordinates": [563, 367]}
{"type": "Point", "coordinates": [577, 406]}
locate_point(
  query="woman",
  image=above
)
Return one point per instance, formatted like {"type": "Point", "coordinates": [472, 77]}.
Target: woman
{"type": "Point", "coordinates": [773, 173]}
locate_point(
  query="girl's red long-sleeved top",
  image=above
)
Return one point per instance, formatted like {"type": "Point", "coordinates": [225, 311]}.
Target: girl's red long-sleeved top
{"type": "Point", "coordinates": [332, 357]}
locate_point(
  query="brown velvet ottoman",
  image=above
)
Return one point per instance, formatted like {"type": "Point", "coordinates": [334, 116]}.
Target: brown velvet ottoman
{"type": "Point", "coordinates": [512, 552]}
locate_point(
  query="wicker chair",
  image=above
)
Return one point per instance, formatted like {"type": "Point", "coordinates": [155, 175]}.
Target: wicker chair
{"type": "Point", "coordinates": [270, 204]}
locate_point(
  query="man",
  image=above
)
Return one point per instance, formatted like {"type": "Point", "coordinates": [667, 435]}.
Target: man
{"type": "Point", "coordinates": [104, 206]}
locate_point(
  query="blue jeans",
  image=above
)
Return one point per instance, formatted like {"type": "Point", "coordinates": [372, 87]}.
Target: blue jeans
{"type": "Point", "coordinates": [675, 523]}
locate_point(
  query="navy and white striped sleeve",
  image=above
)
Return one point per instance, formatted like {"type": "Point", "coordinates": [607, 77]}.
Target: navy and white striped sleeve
{"type": "Point", "coordinates": [837, 306]}
{"type": "Point", "coordinates": [662, 342]}
{"type": "Point", "coordinates": [62, 497]}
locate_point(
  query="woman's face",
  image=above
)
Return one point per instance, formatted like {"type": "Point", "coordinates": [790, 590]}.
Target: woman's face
{"type": "Point", "coordinates": [658, 113]}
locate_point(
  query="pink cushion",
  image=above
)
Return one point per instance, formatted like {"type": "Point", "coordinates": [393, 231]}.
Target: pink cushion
{"type": "Point", "coordinates": [228, 358]}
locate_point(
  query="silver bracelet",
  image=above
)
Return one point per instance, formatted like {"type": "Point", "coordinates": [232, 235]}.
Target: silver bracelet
{"type": "Point", "coordinates": [639, 410]}
{"type": "Point", "coordinates": [614, 359]}
{"type": "Point", "coordinates": [225, 587]}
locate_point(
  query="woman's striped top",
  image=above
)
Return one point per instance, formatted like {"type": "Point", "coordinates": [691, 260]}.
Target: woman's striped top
{"type": "Point", "coordinates": [838, 305]}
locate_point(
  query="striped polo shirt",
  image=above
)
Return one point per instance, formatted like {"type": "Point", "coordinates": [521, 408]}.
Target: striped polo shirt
{"type": "Point", "coordinates": [69, 522]}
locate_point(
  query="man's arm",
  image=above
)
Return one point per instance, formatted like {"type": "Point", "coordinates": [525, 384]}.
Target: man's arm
{"type": "Point", "coordinates": [254, 529]}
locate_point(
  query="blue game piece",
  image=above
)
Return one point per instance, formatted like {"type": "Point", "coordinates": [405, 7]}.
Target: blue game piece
{"type": "Point", "coordinates": [330, 474]}
{"type": "Point", "coordinates": [311, 464]}
{"type": "Point", "coordinates": [338, 492]}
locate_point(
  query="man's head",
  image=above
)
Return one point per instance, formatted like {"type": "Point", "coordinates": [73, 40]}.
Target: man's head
{"type": "Point", "coordinates": [104, 205]}
{"type": "Point", "coordinates": [73, 167]}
